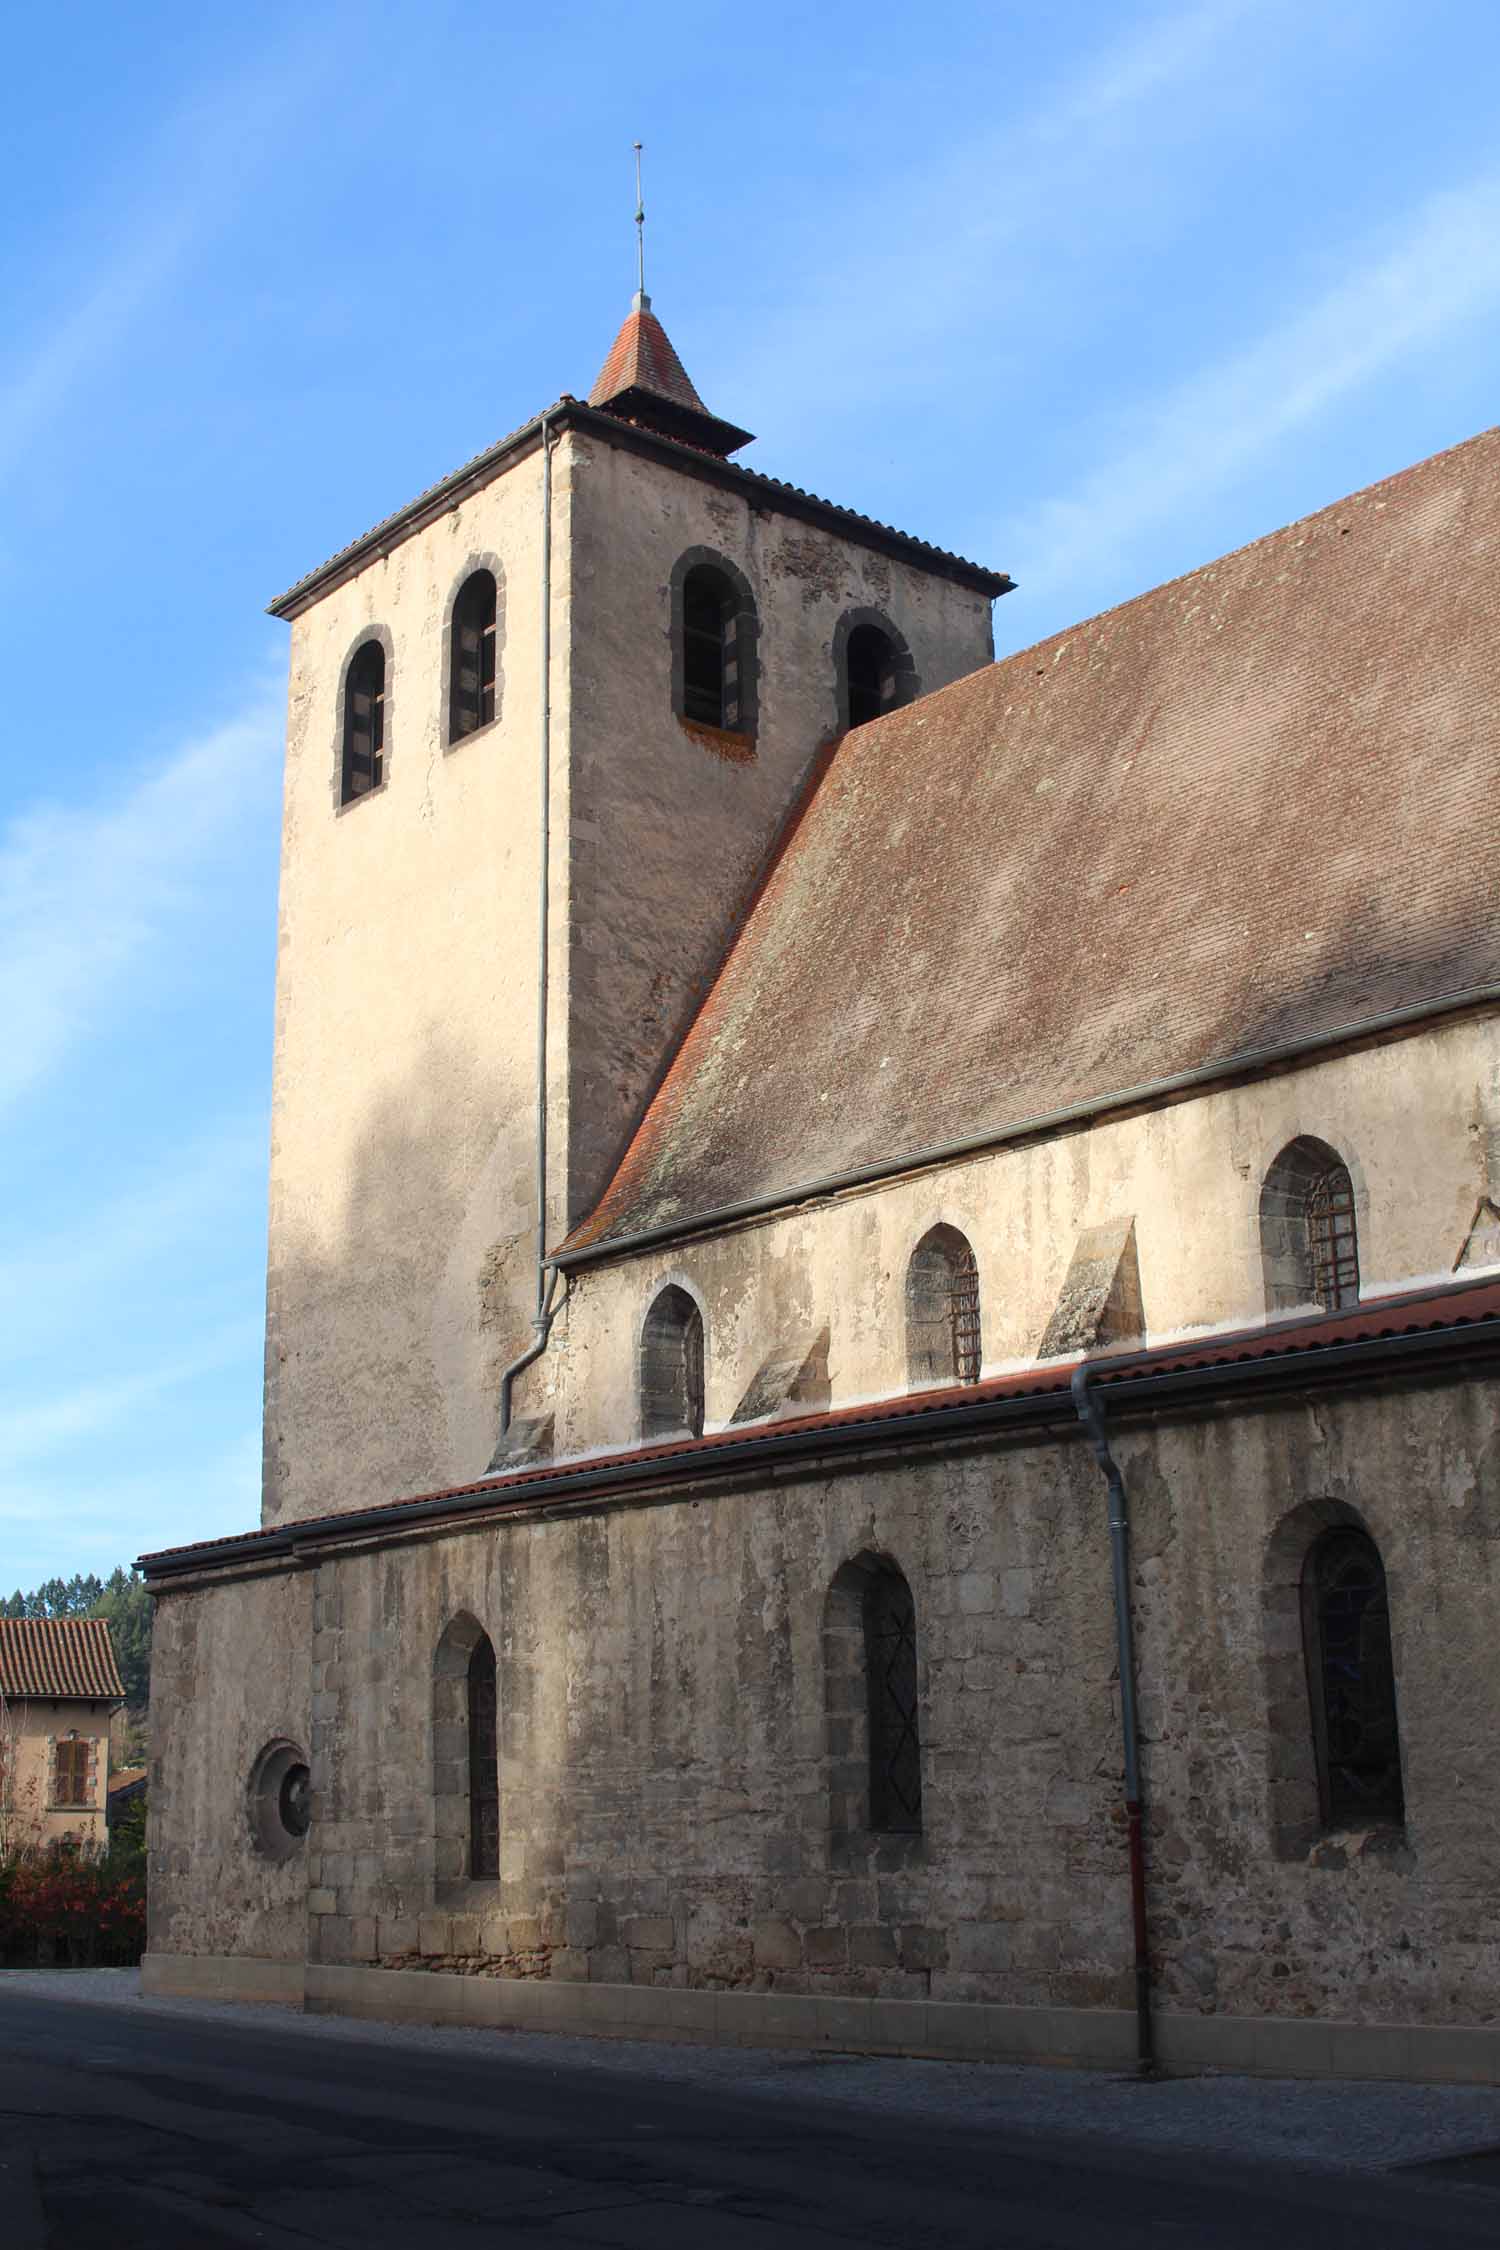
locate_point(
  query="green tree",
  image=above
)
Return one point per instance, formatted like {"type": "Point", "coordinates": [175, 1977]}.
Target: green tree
{"type": "Point", "coordinates": [125, 1602]}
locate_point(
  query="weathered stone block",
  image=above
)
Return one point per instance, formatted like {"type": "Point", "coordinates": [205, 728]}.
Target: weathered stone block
{"type": "Point", "coordinates": [776, 1943]}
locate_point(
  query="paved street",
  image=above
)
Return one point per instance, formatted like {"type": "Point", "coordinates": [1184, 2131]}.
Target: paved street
{"type": "Point", "coordinates": [127, 2122]}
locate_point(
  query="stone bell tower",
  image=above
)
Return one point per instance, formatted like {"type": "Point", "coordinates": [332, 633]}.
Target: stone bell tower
{"type": "Point", "coordinates": [708, 630]}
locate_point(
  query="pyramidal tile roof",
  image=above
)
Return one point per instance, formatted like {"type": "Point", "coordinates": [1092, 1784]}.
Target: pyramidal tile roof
{"type": "Point", "coordinates": [59, 1657]}
{"type": "Point", "coordinates": [641, 358]}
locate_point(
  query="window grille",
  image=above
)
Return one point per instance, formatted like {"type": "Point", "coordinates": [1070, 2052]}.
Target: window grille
{"type": "Point", "coordinates": [1351, 1680]}
{"type": "Point", "coordinates": [72, 1779]}
{"type": "Point", "coordinates": [484, 1768]}
{"type": "Point", "coordinates": [1331, 1245]}
{"type": "Point", "coordinates": [364, 723]}
{"type": "Point", "coordinates": [1308, 1236]}
{"type": "Point", "coordinates": [472, 689]}
{"type": "Point", "coordinates": [943, 1336]}
{"type": "Point", "coordinates": [890, 1625]}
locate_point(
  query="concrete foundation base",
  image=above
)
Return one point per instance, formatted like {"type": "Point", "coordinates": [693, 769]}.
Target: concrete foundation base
{"type": "Point", "coordinates": [1265, 2046]}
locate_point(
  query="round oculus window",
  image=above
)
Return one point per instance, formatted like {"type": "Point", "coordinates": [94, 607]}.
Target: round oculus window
{"type": "Point", "coordinates": [280, 1799]}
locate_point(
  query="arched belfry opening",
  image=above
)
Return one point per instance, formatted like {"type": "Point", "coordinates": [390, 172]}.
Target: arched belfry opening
{"type": "Point", "coordinates": [874, 672]}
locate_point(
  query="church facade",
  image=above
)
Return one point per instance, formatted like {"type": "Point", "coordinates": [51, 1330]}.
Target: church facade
{"type": "Point", "coordinates": [883, 1293]}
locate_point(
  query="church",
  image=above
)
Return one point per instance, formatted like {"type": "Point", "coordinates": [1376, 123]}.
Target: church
{"type": "Point", "coordinates": [883, 1289]}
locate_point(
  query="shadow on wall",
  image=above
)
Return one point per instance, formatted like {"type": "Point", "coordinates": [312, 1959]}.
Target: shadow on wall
{"type": "Point", "coordinates": [394, 1306]}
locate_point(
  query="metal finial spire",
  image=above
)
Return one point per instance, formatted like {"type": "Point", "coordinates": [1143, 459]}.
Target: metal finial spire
{"type": "Point", "coordinates": [642, 301]}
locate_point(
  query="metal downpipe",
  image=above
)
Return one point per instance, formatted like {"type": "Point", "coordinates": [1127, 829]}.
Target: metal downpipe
{"type": "Point", "coordinates": [546, 1308]}
{"type": "Point", "coordinates": [1092, 1418]}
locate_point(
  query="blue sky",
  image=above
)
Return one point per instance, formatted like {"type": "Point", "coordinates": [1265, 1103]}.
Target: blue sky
{"type": "Point", "coordinates": [1089, 293]}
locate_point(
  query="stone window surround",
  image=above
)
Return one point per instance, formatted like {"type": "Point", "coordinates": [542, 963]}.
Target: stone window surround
{"type": "Point", "coordinates": [908, 680]}
{"type": "Point", "coordinates": [854, 1847]}
{"type": "Point", "coordinates": [1281, 1227]}
{"type": "Point", "coordinates": [452, 1883]}
{"type": "Point", "coordinates": [477, 559]}
{"type": "Point", "coordinates": [1294, 1798]}
{"type": "Point", "coordinates": [746, 639]}
{"type": "Point", "coordinates": [667, 1283]}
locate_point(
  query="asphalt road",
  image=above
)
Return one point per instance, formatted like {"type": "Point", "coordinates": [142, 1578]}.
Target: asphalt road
{"type": "Point", "coordinates": [125, 2125]}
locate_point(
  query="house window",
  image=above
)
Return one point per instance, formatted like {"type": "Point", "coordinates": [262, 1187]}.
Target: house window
{"type": "Point", "coordinates": [1308, 1238]}
{"type": "Point", "coordinates": [471, 691]}
{"type": "Point", "coordinates": [942, 1311]}
{"type": "Point", "coordinates": [1346, 1631]}
{"type": "Point", "coordinates": [484, 1766]}
{"type": "Point", "coordinates": [364, 723]}
{"type": "Point", "coordinates": [714, 635]}
{"type": "Point", "coordinates": [672, 1367]}
{"type": "Point", "coordinates": [71, 1784]}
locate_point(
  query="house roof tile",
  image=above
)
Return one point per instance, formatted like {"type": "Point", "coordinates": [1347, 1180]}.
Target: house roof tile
{"type": "Point", "coordinates": [60, 1657]}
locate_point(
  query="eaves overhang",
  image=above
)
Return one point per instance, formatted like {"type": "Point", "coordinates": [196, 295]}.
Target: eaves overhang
{"type": "Point", "coordinates": [1432, 1333]}
{"type": "Point", "coordinates": [570, 413]}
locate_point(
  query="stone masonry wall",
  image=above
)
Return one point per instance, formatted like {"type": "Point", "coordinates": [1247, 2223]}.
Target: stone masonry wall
{"type": "Point", "coordinates": [669, 1762]}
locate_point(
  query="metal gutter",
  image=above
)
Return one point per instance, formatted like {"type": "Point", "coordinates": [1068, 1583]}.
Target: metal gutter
{"type": "Point", "coordinates": [1132, 1385]}
{"type": "Point", "coordinates": [1150, 1091]}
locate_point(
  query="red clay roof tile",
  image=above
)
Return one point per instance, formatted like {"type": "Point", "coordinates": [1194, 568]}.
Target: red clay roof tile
{"type": "Point", "coordinates": [60, 1657]}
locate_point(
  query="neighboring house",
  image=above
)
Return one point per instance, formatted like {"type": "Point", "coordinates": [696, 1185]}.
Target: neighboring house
{"type": "Point", "coordinates": [921, 1031]}
{"type": "Point", "coordinates": [126, 1788]}
{"type": "Point", "coordinates": [58, 1689]}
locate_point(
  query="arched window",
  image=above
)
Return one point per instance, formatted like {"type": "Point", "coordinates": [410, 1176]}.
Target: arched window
{"type": "Point", "coordinates": [1309, 1246]}
{"type": "Point", "coordinates": [874, 1717]}
{"type": "Point", "coordinates": [942, 1311]}
{"type": "Point", "coordinates": [364, 723]}
{"type": "Point", "coordinates": [874, 668]}
{"type": "Point", "coordinates": [471, 686]}
{"type": "Point", "coordinates": [714, 633]}
{"type": "Point", "coordinates": [1346, 1637]}
{"type": "Point", "coordinates": [465, 1755]}
{"type": "Point", "coordinates": [672, 1367]}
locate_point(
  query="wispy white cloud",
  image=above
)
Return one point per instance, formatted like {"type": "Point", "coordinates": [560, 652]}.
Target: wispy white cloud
{"type": "Point", "coordinates": [86, 893]}
{"type": "Point", "coordinates": [1438, 270]}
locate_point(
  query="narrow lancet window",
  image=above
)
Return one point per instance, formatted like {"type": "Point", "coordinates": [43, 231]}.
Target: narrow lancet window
{"type": "Point", "coordinates": [890, 1623]}
{"type": "Point", "coordinates": [1351, 1680]}
{"type": "Point", "coordinates": [484, 1766]}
